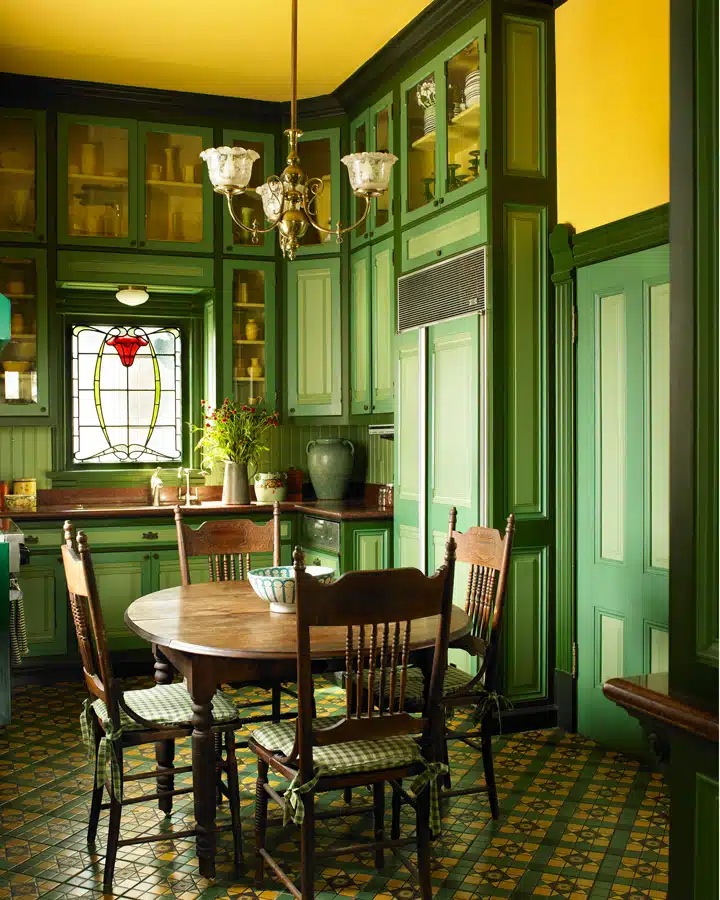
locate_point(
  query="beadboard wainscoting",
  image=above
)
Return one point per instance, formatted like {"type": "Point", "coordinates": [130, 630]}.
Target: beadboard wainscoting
{"type": "Point", "coordinates": [26, 453]}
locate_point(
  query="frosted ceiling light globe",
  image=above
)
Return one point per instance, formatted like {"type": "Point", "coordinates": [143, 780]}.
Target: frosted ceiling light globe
{"type": "Point", "coordinates": [132, 296]}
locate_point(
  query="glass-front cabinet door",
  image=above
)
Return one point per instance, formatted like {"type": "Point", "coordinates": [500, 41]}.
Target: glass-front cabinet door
{"type": "Point", "coordinates": [24, 359]}
{"type": "Point", "coordinates": [22, 175]}
{"type": "Point", "coordinates": [175, 201]}
{"type": "Point", "coordinates": [96, 181]}
{"type": "Point", "coordinates": [248, 340]}
{"type": "Point", "coordinates": [373, 131]}
{"type": "Point", "coordinates": [248, 206]}
{"type": "Point", "coordinates": [444, 135]}
{"type": "Point", "coordinates": [320, 158]}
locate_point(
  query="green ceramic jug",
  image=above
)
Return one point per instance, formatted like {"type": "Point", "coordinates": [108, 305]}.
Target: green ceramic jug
{"type": "Point", "coordinates": [330, 463]}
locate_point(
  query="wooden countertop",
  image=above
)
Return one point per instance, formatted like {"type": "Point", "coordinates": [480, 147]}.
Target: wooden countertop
{"type": "Point", "coordinates": [649, 695]}
{"type": "Point", "coordinates": [338, 510]}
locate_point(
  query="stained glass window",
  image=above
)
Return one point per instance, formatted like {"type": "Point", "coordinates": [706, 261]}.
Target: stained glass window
{"type": "Point", "coordinates": [126, 394]}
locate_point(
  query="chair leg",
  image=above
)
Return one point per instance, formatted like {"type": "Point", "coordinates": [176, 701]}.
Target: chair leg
{"type": "Point", "coordinates": [447, 783]}
{"type": "Point", "coordinates": [97, 793]}
{"type": "Point", "coordinates": [422, 828]}
{"type": "Point", "coordinates": [113, 830]}
{"type": "Point", "coordinates": [164, 756]}
{"type": "Point", "coordinates": [276, 692]}
{"type": "Point", "coordinates": [307, 848]}
{"type": "Point", "coordinates": [486, 745]}
{"type": "Point", "coordinates": [218, 757]}
{"type": "Point", "coordinates": [234, 798]}
{"type": "Point", "coordinates": [396, 804]}
{"type": "Point", "coordinates": [347, 795]}
{"type": "Point", "coordinates": [379, 817]}
{"type": "Point", "coordinates": [261, 809]}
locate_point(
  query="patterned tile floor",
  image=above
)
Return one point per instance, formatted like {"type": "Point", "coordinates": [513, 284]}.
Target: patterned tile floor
{"type": "Point", "coordinates": [577, 822]}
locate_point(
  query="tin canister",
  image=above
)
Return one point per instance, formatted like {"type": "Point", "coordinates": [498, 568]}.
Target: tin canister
{"type": "Point", "coordinates": [4, 490]}
{"type": "Point", "coordinates": [25, 486]}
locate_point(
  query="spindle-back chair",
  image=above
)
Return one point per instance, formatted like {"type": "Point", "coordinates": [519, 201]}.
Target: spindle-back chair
{"type": "Point", "coordinates": [159, 715]}
{"type": "Point", "coordinates": [373, 742]}
{"type": "Point", "coordinates": [229, 545]}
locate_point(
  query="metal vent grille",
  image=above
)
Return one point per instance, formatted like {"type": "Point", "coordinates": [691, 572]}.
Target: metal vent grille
{"type": "Point", "coordinates": [445, 290]}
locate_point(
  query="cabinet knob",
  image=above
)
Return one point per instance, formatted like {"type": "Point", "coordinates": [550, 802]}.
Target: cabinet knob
{"type": "Point", "coordinates": [132, 243]}
{"type": "Point", "coordinates": [292, 409]}
{"type": "Point", "coordinates": [43, 409]}
{"type": "Point", "coordinates": [316, 561]}
{"type": "Point", "coordinates": [147, 556]}
{"type": "Point", "coordinates": [32, 539]}
{"type": "Point", "coordinates": [366, 406]}
{"type": "Point", "coordinates": [438, 253]}
{"type": "Point", "coordinates": [150, 535]}
{"type": "Point", "coordinates": [442, 199]}
{"type": "Point", "coordinates": [156, 556]}
{"type": "Point", "coordinates": [141, 243]}
{"type": "Point", "coordinates": [436, 202]}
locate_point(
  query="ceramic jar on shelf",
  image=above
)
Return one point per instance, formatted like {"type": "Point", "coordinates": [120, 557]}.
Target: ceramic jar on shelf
{"type": "Point", "coordinates": [270, 486]}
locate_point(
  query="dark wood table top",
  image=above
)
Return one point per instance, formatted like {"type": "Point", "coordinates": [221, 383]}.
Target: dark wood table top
{"type": "Point", "coordinates": [229, 620]}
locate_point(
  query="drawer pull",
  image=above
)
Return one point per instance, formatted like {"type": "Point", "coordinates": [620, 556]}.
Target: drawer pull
{"type": "Point", "coordinates": [150, 535]}
{"type": "Point", "coordinates": [32, 539]}
{"type": "Point", "coordinates": [316, 561]}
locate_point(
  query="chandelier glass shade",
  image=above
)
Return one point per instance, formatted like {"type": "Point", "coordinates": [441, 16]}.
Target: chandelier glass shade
{"type": "Point", "coordinates": [289, 200]}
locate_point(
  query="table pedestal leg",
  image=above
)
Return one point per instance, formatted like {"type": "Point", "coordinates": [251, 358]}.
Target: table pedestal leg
{"type": "Point", "coordinates": [164, 750]}
{"type": "Point", "coordinates": [203, 763]}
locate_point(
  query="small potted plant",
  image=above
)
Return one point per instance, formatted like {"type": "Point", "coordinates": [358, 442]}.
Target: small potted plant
{"type": "Point", "coordinates": [234, 435]}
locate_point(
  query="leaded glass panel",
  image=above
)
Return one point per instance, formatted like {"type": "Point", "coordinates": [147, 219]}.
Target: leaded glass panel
{"type": "Point", "coordinates": [126, 394]}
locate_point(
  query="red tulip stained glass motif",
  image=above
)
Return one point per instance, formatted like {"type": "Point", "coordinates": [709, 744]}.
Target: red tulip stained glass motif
{"type": "Point", "coordinates": [127, 345]}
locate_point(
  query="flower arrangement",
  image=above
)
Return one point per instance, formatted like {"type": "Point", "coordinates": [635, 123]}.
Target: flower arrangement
{"type": "Point", "coordinates": [234, 433]}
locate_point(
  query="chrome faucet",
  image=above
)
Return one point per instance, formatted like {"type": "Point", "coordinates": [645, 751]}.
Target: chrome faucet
{"type": "Point", "coordinates": [156, 485]}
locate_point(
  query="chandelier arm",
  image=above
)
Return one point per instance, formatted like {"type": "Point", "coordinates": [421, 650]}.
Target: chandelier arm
{"type": "Point", "coordinates": [243, 226]}
{"type": "Point", "coordinates": [339, 230]}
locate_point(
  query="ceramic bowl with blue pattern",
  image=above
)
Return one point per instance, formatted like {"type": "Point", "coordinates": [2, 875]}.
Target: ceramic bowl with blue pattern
{"type": "Point", "coordinates": [276, 584]}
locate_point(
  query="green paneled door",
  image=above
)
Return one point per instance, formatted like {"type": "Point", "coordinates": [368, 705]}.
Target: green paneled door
{"type": "Point", "coordinates": [622, 518]}
{"type": "Point", "coordinates": [121, 578]}
{"type": "Point", "coordinates": [314, 338]}
{"type": "Point", "coordinates": [45, 602]}
{"type": "Point", "coordinates": [407, 454]}
{"type": "Point", "coordinates": [383, 327]}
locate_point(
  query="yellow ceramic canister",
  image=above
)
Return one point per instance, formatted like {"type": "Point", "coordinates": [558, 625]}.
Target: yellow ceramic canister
{"type": "Point", "coordinates": [25, 486]}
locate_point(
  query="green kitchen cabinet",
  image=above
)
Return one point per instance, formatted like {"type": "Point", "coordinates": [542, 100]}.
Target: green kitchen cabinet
{"type": "Point", "coordinates": [24, 359]}
{"type": "Point", "coordinates": [123, 183]}
{"type": "Point", "coordinates": [248, 336]}
{"type": "Point", "coordinates": [320, 155]}
{"type": "Point", "coordinates": [346, 546]}
{"type": "Point", "coordinates": [45, 602]}
{"type": "Point", "coordinates": [122, 576]}
{"type": "Point", "coordinates": [314, 345]}
{"type": "Point", "coordinates": [457, 230]}
{"type": "Point", "coordinates": [248, 206]}
{"type": "Point", "coordinates": [372, 329]}
{"type": "Point", "coordinates": [23, 165]}
{"type": "Point", "coordinates": [372, 131]}
{"type": "Point", "coordinates": [443, 128]}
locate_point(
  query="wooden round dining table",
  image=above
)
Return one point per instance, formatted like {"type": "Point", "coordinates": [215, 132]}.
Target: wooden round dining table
{"type": "Point", "coordinates": [223, 632]}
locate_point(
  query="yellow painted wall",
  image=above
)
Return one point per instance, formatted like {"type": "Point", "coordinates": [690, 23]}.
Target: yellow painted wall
{"type": "Point", "coordinates": [613, 109]}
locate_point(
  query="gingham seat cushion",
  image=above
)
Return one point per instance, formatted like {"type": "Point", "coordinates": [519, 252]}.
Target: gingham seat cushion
{"type": "Point", "coordinates": [350, 758]}
{"type": "Point", "coordinates": [165, 704]}
{"type": "Point", "coordinates": [341, 759]}
{"type": "Point", "coordinates": [455, 680]}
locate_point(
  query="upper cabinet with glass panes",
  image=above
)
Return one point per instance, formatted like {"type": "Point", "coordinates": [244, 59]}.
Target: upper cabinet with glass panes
{"type": "Point", "coordinates": [123, 183]}
{"type": "Point", "coordinates": [22, 175]}
{"type": "Point", "coordinates": [24, 359]}
{"type": "Point", "coordinates": [372, 132]}
{"type": "Point", "coordinates": [320, 155]}
{"type": "Point", "coordinates": [248, 206]}
{"type": "Point", "coordinates": [444, 133]}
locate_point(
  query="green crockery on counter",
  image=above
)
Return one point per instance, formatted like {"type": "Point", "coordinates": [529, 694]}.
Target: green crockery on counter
{"type": "Point", "coordinates": [330, 463]}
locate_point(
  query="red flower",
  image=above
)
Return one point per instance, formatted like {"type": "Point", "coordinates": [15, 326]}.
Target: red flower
{"type": "Point", "coordinates": [202, 403]}
{"type": "Point", "coordinates": [252, 409]}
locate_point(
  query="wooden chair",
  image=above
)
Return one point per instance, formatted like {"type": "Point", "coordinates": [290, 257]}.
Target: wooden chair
{"type": "Point", "coordinates": [371, 744]}
{"type": "Point", "coordinates": [114, 719]}
{"type": "Point", "coordinates": [488, 553]}
{"type": "Point", "coordinates": [228, 545]}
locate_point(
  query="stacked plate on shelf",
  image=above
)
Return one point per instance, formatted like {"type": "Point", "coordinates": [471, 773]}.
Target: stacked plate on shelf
{"type": "Point", "coordinates": [428, 119]}
{"type": "Point", "coordinates": [472, 88]}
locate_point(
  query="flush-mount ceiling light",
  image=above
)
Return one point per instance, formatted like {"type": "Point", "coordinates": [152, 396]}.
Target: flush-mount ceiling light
{"type": "Point", "coordinates": [289, 200]}
{"type": "Point", "coordinates": [132, 296]}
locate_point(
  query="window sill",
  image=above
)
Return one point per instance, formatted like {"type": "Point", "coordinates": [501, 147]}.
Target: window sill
{"type": "Point", "coordinates": [110, 478]}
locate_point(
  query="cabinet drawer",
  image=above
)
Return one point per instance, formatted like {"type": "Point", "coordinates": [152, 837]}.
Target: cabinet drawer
{"type": "Point", "coordinates": [101, 536]}
{"type": "Point", "coordinates": [320, 533]}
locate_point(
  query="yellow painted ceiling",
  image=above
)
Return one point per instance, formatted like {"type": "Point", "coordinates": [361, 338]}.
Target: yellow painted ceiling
{"type": "Point", "coordinates": [230, 47]}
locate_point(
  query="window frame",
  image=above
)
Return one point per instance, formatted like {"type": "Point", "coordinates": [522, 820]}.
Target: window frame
{"type": "Point", "coordinates": [169, 310]}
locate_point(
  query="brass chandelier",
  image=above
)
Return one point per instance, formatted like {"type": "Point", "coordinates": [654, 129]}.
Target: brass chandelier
{"type": "Point", "coordinates": [289, 200]}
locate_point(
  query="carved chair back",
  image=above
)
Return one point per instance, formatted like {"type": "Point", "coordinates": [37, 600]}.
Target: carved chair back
{"type": "Point", "coordinates": [378, 637]}
{"type": "Point", "coordinates": [88, 619]}
{"type": "Point", "coordinates": [488, 554]}
{"type": "Point", "coordinates": [227, 544]}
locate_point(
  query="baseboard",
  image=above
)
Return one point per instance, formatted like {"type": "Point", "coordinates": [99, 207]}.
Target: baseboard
{"type": "Point", "coordinates": [49, 670]}
{"type": "Point", "coordinates": [566, 699]}
{"type": "Point", "coordinates": [525, 718]}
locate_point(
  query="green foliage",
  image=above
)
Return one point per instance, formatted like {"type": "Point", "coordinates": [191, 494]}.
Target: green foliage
{"type": "Point", "coordinates": [234, 434]}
